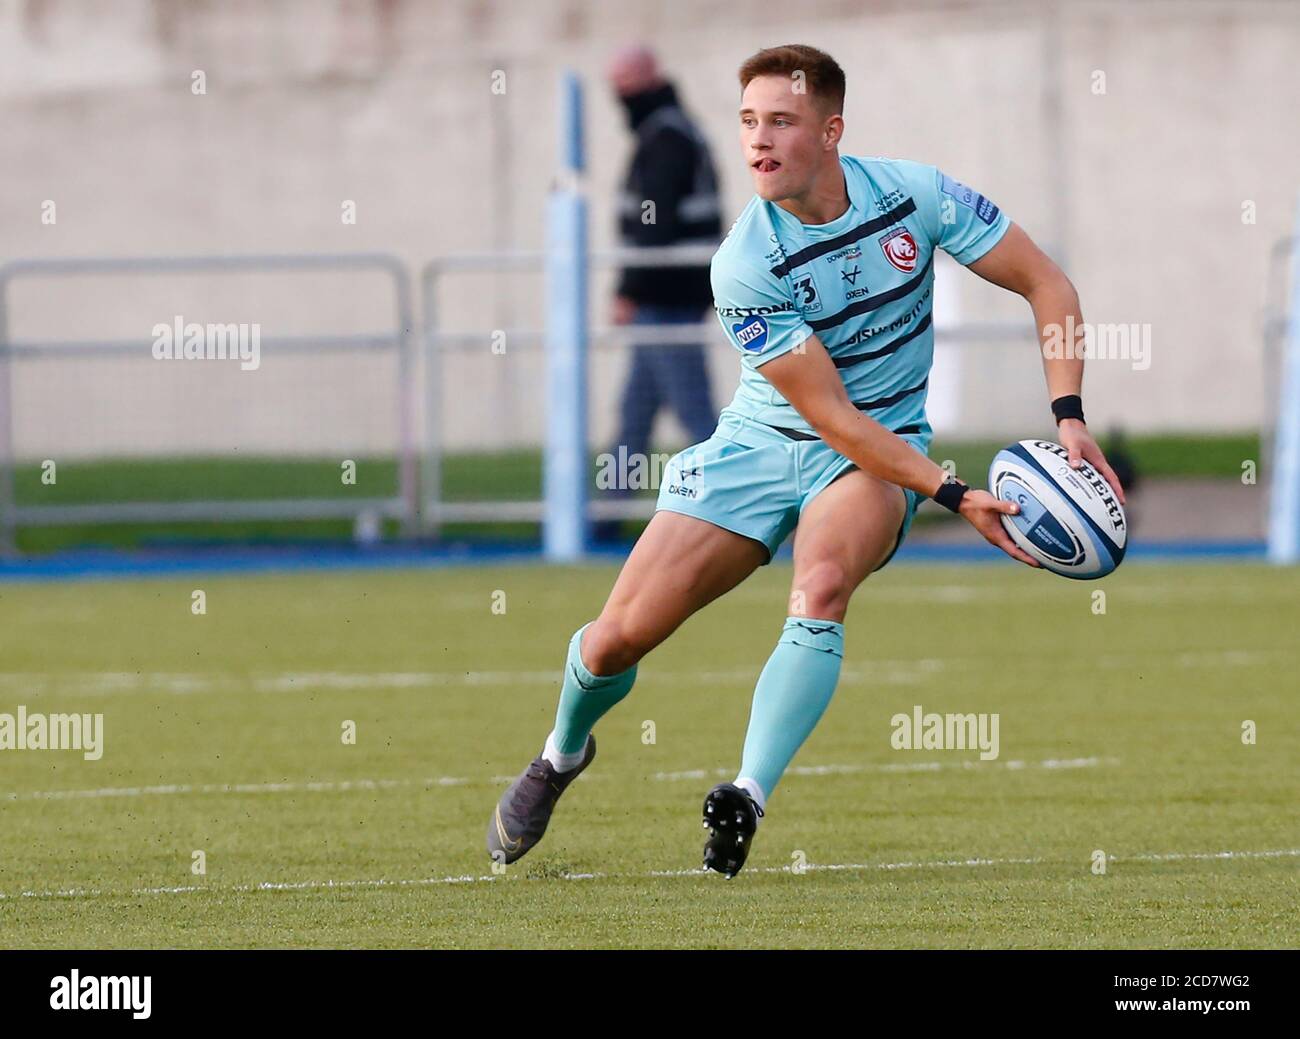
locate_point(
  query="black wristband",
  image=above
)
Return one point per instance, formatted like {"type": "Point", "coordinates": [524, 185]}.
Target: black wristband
{"type": "Point", "coordinates": [950, 494]}
{"type": "Point", "coordinates": [1070, 406]}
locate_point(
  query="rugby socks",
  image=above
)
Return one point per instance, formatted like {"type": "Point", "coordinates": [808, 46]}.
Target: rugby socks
{"type": "Point", "coordinates": [584, 699]}
{"type": "Point", "coordinates": [754, 791]}
{"type": "Point", "coordinates": [793, 692]}
{"type": "Point", "coordinates": [560, 762]}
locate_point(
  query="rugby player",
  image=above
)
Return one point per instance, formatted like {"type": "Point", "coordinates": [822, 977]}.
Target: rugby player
{"type": "Point", "coordinates": [824, 286]}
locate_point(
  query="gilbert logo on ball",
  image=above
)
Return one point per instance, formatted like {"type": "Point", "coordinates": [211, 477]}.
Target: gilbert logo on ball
{"type": "Point", "coordinates": [1070, 520]}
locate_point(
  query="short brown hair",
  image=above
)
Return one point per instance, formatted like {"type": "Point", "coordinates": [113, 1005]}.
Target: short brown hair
{"type": "Point", "coordinates": [821, 73]}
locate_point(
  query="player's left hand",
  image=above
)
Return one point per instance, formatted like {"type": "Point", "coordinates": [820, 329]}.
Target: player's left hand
{"type": "Point", "coordinates": [984, 512]}
{"type": "Point", "coordinates": [1076, 439]}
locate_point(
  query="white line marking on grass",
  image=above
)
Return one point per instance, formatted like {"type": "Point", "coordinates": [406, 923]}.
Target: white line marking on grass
{"type": "Point", "coordinates": [312, 787]}
{"type": "Point", "coordinates": [871, 672]}
{"type": "Point", "coordinates": [112, 683]}
{"type": "Point", "coordinates": [830, 867]}
{"type": "Point", "coordinates": [407, 680]}
{"type": "Point", "coordinates": [862, 866]}
{"type": "Point", "coordinates": [1176, 856]}
{"type": "Point", "coordinates": [343, 786]}
{"type": "Point", "coordinates": [107, 683]}
{"type": "Point", "coordinates": [905, 766]}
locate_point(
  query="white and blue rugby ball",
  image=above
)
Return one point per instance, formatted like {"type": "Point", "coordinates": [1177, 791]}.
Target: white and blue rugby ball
{"type": "Point", "coordinates": [1070, 520]}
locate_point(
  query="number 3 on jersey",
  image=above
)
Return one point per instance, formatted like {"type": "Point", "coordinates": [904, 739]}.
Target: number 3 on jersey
{"type": "Point", "coordinates": [805, 293]}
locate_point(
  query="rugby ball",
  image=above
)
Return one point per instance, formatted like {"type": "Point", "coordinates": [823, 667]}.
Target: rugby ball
{"type": "Point", "coordinates": [1070, 520]}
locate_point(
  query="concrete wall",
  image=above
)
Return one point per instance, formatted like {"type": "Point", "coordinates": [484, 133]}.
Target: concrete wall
{"type": "Point", "coordinates": [390, 104]}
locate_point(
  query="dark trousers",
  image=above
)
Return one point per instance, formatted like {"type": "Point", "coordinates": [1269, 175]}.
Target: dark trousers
{"type": "Point", "coordinates": [672, 375]}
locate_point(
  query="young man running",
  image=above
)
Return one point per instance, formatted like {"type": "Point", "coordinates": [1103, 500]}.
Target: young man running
{"type": "Point", "coordinates": [824, 285]}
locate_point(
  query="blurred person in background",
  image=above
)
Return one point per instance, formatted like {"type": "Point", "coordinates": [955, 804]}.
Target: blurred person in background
{"type": "Point", "coordinates": [669, 197]}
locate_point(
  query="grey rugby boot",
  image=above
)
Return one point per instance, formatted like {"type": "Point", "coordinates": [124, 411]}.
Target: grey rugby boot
{"type": "Point", "coordinates": [525, 808]}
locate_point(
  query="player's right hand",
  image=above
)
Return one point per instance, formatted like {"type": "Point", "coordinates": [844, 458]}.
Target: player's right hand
{"type": "Point", "coordinates": [984, 513]}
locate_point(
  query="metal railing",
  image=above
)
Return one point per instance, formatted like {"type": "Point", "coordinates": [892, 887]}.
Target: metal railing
{"type": "Point", "coordinates": [397, 337]}
{"type": "Point", "coordinates": [436, 511]}
{"type": "Point", "coordinates": [420, 503]}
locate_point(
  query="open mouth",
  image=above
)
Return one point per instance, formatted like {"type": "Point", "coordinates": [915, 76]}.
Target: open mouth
{"type": "Point", "coordinates": [765, 165]}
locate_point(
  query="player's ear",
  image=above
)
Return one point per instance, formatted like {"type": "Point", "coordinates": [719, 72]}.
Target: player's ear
{"type": "Point", "coordinates": [832, 131]}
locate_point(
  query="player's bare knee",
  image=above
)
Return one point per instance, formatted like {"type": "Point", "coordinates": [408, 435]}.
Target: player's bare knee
{"type": "Point", "coordinates": [822, 590]}
{"type": "Point", "coordinates": [608, 648]}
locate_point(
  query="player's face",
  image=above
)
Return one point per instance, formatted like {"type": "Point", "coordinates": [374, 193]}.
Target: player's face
{"type": "Point", "coordinates": [782, 136]}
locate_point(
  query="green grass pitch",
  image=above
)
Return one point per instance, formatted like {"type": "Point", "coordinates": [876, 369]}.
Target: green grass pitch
{"type": "Point", "coordinates": [1120, 733]}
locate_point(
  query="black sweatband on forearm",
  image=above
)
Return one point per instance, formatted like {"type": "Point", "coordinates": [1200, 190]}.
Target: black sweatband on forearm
{"type": "Point", "coordinates": [950, 494]}
{"type": "Point", "coordinates": [1070, 406]}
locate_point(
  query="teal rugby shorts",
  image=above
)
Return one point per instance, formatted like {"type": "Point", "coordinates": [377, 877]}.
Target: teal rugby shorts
{"type": "Point", "coordinates": [754, 480]}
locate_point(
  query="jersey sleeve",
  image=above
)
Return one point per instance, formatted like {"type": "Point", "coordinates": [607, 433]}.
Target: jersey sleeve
{"type": "Point", "coordinates": [756, 310]}
{"type": "Point", "coordinates": [965, 224]}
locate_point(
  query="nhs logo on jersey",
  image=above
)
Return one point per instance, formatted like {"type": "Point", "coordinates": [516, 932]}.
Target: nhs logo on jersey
{"type": "Point", "coordinates": [751, 334]}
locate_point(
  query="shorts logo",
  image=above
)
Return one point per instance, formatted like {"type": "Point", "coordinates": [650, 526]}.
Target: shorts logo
{"type": "Point", "coordinates": [899, 248]}
{"type": "Point", "coordinates": [681, 489]}
{"type": "Point", "coordinates": [751, 335]}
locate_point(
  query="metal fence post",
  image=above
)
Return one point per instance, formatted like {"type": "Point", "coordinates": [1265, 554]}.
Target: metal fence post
{"type": "Point", "coordinates": [407, 472]}
{"type": "Point", "coordinates": [565, 462]}
{"type": "Point", "coordinates": [1284, 493]}
{"type": "Point", "coordinates": [8, 519]}
{"type": "Point", "coordinates": [431, 449]}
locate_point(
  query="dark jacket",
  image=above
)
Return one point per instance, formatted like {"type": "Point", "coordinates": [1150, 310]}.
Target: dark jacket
{"type": "Point", "coordinates": [671, 167]}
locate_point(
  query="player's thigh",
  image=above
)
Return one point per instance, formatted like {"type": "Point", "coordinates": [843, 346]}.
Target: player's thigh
{"type": "Point", "coordinates": [678, 565]}
{"type": "Point", "coordinates": [844, 533]}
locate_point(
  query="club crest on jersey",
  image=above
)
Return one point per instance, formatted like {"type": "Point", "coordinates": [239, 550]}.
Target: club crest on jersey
{"type": "Point", "coordinates": [899, 248]}
{"type": "Point", "coordinates": [751, 334]}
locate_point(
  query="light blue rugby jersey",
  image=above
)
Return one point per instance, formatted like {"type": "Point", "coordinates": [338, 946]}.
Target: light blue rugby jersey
{"type": "Point", "coordinates": [864, 284]}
